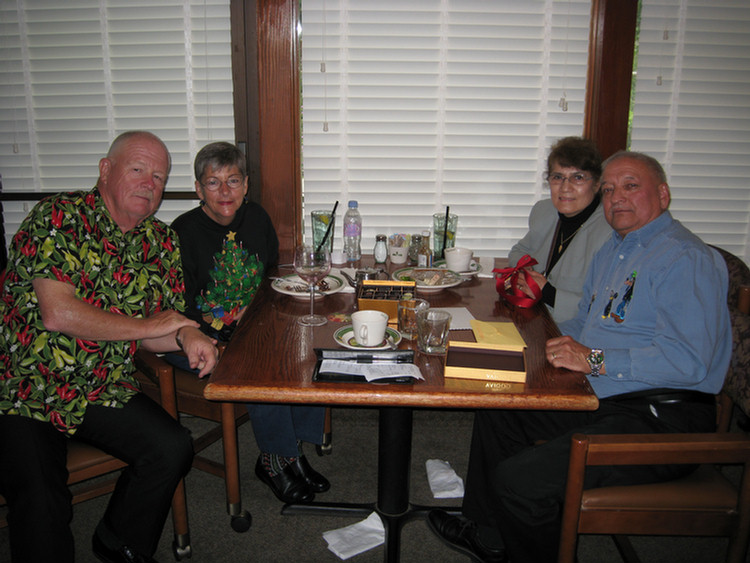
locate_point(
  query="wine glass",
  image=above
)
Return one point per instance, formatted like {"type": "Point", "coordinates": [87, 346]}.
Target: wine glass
{"type": "Point", "coordinates": [312, 266]}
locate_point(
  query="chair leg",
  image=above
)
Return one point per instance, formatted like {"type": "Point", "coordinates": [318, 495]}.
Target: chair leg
{"type": "Point", "coordinates": [326, 448]}
{"type": "Point", "coordinates": [181, 544]}
{"type": "Point", "coordinates": [240, 519]}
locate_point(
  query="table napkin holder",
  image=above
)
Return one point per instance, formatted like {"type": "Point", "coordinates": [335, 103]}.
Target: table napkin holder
{"type": "Point", "coordinates": [360, 356]}
{"type": "Point", "coordinates": [383, 295]}
{"type": "Point", "coordinates": [484, 361]}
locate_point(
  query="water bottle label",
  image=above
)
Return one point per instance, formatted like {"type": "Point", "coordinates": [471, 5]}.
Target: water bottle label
{"type": "Point", "coordinates": [352, 230]}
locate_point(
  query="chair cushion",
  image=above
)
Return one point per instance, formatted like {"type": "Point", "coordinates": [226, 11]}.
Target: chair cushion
{"type": "Point", "coordinates": [705, 488]}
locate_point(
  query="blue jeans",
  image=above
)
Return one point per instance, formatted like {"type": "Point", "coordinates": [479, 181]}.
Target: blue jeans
{"type": "Point", "coordinates": [277, 427]}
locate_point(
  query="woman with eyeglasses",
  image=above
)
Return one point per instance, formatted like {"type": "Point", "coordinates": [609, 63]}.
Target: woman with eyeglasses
{"type": "Point", "coordinates": [566, 230]}
{"type": "Point", "coordinates": [225, 214]}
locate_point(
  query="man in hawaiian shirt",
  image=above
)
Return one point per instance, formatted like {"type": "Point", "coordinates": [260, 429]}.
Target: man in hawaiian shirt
{"type": "Point", "coordinates": [91, 277]}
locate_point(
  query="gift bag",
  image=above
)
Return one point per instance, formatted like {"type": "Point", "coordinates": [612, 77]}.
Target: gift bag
{"type": "Point", "coordinates": [507, 283]}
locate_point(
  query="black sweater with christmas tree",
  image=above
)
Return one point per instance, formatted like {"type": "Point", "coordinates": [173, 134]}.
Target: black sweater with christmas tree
{"type": "Point", "coordinates": [201, 238]}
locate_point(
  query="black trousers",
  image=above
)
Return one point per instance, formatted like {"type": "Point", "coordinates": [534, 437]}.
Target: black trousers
{"type": "Point", "coordinates": [33, 478]}
{"type": "Point", "coordinates": [517, 487]}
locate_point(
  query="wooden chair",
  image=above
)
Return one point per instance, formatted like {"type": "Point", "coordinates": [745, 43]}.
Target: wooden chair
{"type": "Point", "coordinates": [703, 503]}
{"type": "Point", "coordinates": [85, 462]}
{"type": "Point", "coordinates": [180, 391]}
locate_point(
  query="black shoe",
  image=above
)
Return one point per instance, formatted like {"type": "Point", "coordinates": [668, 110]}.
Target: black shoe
{"type": "Point", "coordinates": [288, 487]}
{"type": "Point", "coordinates": [460, 534]}
{"type": "Point", "coordinates": [315, 480]}
{"type": "Point", "coordinates": [122, 555]}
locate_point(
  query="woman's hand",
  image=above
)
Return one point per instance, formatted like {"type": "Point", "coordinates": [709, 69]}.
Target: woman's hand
{"type": "Point", "coordinates": [540, 280]}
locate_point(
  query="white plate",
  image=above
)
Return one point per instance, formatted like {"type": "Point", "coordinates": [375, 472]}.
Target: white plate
{"type": "Point", "coordinates": [474, 268]}
{"type": "Point", "coordinates": [345, 337]}
{"type": "Point", "coordinates": [288, 286]}
{"type": "Point", "coordinates": [450, 279]}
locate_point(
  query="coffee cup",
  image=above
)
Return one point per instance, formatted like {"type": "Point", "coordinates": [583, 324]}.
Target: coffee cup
{"type": "Point", "coordinates": [458, 259]}
{"type": "Point", "coordinates": [369, 327]}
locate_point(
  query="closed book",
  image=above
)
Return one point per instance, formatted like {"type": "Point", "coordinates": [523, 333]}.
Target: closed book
{"type": "Point", "coordinates": [487, 362]}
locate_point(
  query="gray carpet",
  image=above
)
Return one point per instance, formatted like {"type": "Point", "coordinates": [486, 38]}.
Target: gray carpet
{"type": "Point", "coordinates": [351, 469]}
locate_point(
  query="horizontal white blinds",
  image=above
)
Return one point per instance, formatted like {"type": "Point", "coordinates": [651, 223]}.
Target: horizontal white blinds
{"type": "Point", "coordinates": [438, 103]}
{"type": "Point", "coordinates": [75, 74]}
{"type": "Point", "coordinates": [692, 112]}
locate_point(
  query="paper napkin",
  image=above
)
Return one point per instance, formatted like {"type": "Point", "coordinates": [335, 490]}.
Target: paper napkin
{"type": "Point", "coordinates": [461, 317]}
{"type": "Point", "coordinates": [355, 539]}
{"type": "Point", "coordinates": [444, 482]}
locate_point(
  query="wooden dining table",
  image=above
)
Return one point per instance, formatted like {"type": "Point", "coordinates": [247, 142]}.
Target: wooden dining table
{"type": "Point", "coordinates": [271, 358]}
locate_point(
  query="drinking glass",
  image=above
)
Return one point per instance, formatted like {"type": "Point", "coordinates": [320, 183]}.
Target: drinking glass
{"type": "Point", "coordinates": [449, 235]}
{"type": "Point", "coordinates": [320, 225]}
{"type": "Point", "coordinates": [312, 267]}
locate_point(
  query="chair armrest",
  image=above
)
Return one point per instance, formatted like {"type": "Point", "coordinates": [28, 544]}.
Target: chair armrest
{"type": "Point", "coordinates": [161, 373]}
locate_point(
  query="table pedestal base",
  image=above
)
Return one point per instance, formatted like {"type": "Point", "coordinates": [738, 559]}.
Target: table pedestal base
{"type": "Point", "coordinates": [394, 464]}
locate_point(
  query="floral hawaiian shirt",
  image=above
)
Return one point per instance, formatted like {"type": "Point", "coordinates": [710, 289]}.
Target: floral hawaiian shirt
{"type": "Point", "coordinates": [72, 238]}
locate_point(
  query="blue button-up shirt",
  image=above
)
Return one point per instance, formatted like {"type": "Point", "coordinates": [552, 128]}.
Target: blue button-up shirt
{"type": "Point", "coordinates": [656, 302]}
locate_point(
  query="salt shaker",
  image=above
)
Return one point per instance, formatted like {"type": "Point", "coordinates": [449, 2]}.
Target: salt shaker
{"type": "Point", "coordinates": [380, 252]}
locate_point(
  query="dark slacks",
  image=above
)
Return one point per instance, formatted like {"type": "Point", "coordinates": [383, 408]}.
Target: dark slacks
{"type": "Point", "coordinates": [33, 478]}
{"type": "Point", "coordinates": [516, 485]}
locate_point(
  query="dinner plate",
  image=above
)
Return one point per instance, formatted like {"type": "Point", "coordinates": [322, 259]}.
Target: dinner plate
{"type": "Point", "coordinates": [292, 285]}
{"type": "Point", "coordinates": [447, 278]}
{"type": "Point", "coordinates": [474, 268]}
{"type": "Point", "coordinates": [345, 337]}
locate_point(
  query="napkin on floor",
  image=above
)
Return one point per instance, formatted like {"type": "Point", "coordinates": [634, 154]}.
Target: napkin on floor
{"type": "Point", "coordinates": [444, 482]}
{"type": "Point", "coordinates": [355, 539]}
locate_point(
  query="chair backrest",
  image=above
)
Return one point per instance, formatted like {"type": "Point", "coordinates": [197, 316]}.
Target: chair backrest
{"type": "Point", "coordinates": [737, 382]}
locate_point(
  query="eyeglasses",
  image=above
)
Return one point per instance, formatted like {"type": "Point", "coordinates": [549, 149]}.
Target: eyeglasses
{"type": "Point", "coordinates": [213, 184]}
{"type": "Point", "coordinates": [577, 179]}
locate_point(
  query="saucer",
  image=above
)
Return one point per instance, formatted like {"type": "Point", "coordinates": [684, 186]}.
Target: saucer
{"type": "Point", "coordinates": [345, 337]}
{"type": "Point", "coordinates": [474, 267]}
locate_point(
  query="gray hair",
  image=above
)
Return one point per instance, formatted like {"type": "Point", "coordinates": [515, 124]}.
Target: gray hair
{"type": "Point", "coordinates": [648, 160]}
{"type": "Point", "coordinates": [219, 155]}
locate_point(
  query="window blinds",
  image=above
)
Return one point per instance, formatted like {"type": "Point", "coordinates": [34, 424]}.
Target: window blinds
{"type": "Point", "coordinates": [75, 74]}
{"type": "Point", "coordinates": [691, 111]}
{"type": "Point", "coordinates": [409, 107]}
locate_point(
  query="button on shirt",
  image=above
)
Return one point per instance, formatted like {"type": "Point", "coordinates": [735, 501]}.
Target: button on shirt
{"type": "Point", "coordinates": [656, 303]}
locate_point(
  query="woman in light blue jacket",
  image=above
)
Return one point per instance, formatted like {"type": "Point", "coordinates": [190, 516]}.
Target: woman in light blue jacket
{"type": "Point", "coordinates": [566, 230]}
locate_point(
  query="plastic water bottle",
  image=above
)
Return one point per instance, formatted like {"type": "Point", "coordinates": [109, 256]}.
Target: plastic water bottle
{"type": "Point", "coordinates": [352, 232]}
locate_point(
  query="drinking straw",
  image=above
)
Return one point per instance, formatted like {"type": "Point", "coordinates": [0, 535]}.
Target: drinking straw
{"type": "Point", "coordinates": [328, 229]}
{"type": "Point", "coordinates": [445, 230]}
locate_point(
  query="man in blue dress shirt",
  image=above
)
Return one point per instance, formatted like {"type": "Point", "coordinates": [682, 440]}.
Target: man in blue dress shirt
{"type": "Point", "coordinates": [653, 333]}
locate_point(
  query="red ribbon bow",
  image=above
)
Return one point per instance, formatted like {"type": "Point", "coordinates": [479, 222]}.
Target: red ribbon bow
{"type": "Point", "coordinates": [507, 283]}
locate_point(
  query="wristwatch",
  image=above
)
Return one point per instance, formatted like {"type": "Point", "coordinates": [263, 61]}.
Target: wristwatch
{"type": "Point", "coordinates": [596, 361]}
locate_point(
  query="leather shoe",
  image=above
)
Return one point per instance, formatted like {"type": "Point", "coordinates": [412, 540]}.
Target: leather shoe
{"type": "Point", "coordinates": [460, 534]}
{"type": "Point", "coordinates": [288, 487]}
{"type": "Point", "coordinates": [315, 480]}
{"type": "Point", "coordinates": [122, 555]}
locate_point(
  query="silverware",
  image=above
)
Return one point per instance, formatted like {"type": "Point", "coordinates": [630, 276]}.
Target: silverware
{"type": "Point", "coordinates": [391, 342]}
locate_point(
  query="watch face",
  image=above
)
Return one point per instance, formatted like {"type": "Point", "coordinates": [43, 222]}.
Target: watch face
{"type": "Point", "coordinates": [596, 357]}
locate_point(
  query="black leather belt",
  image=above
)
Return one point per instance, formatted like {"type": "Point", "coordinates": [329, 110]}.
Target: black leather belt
{"type": "Point", "coordinates": [666, 396]}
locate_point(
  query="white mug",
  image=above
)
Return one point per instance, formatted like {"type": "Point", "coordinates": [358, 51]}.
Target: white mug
{"type": "Point", "coordinates": [369, 327]}
{"type": "Point", "coordinates": [458, 259]}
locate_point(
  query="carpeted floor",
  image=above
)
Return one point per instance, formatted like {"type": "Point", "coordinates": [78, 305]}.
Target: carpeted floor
{"type": "Point", "coordinates": [351, 468]}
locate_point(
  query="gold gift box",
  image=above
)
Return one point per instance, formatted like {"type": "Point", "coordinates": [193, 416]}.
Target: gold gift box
{"type": "Point", "coordinates": [384, 295]}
